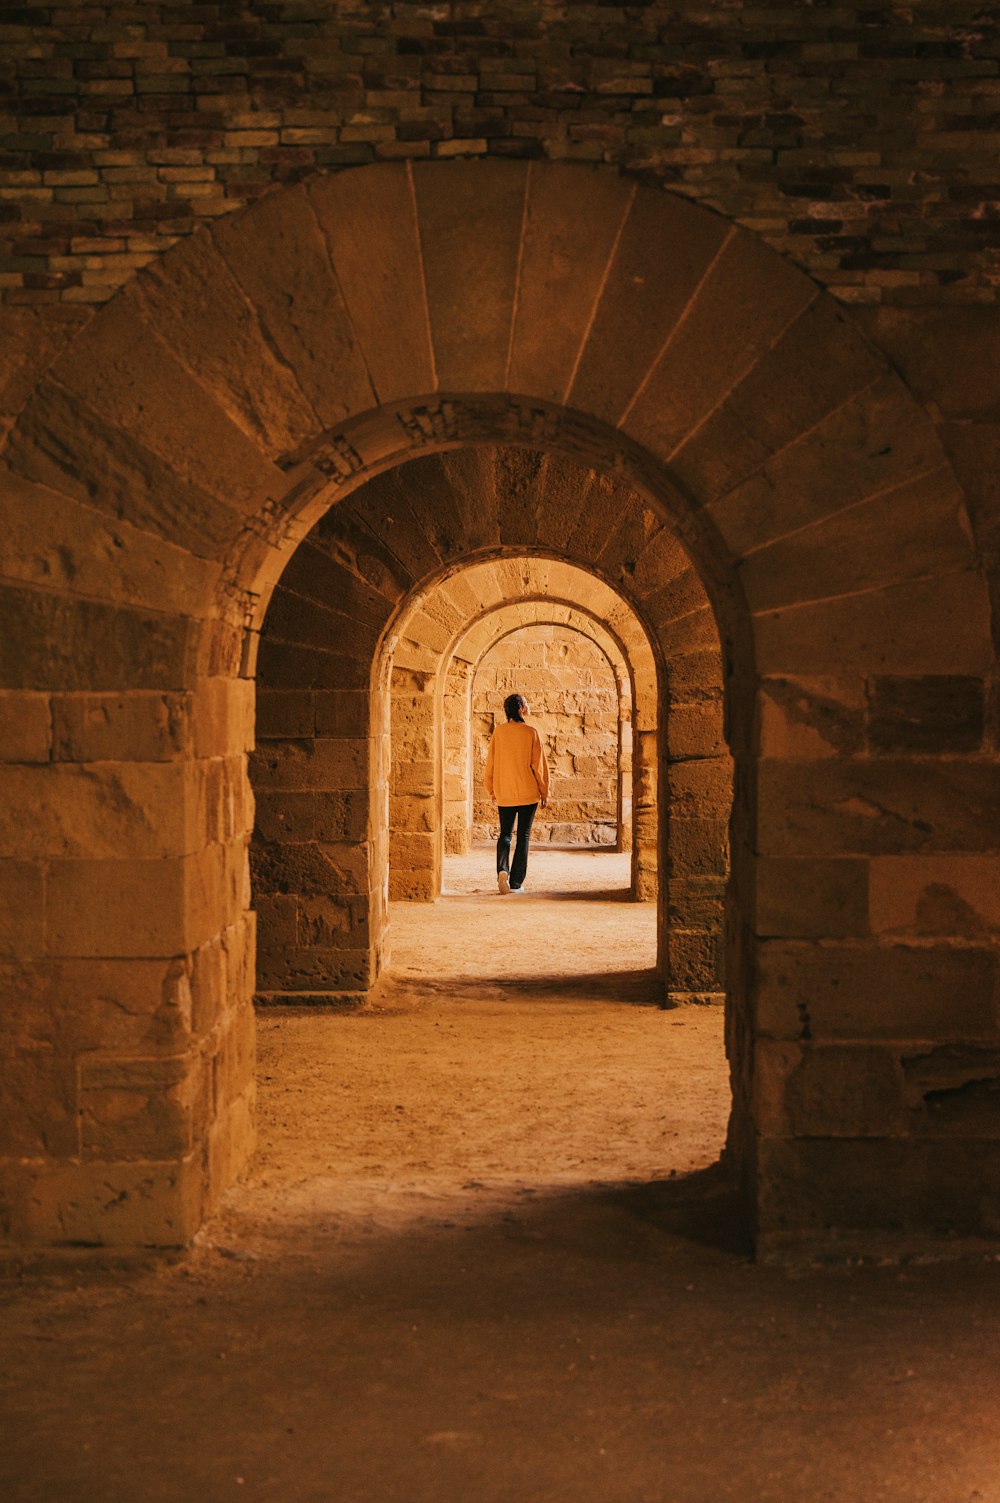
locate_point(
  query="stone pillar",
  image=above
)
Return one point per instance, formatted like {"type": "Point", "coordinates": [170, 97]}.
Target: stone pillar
{"type": "Point", "coordinates": [320, 772]}
{"type": "Point", "coordinates": [320, 787]}
{"type": "Point", "coordinates": [698, 786]}
{"type": "Point", "coordinates": [699, 783]}
{"type": "Point", "coordinates": [645, 816]}
{"type": "Point", "coordinates": [624, 767]}
{"type": "Point", "coordinates": [415, 783]}
{"type": "Point", "coordinates": [876, 1100]}
{"type": "Point", "coordinates": [458, 766]}
{"type": "Point", "coordinates": [126, 1095]}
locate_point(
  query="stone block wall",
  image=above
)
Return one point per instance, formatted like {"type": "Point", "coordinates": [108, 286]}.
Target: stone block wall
{"type": "Point", "coordinates": [574, 699]}
{"type": "Point", "coordinates": [319, 773]}
{"type": "Point", "coordinates": [698, 773]}
{"type": "Point", "coordinates": [878, 965]}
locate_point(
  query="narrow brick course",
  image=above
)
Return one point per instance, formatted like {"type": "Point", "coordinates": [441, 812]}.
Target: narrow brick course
{"type": "Point", "coordinates": [861, 143]}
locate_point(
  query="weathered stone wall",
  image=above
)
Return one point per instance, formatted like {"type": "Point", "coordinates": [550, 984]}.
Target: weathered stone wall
{"type": "Point", "coordinates": [571, 688]}
{"type": "Point", "coordinates": [859, 140]}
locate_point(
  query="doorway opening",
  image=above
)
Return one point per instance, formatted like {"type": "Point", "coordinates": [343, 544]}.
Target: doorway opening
{"type": "Point", "coordinates": [399, 918]}
{"type": "Point", "coordinates": [376, 609]}
{"type": "Point", "coordinates": [446, 634]}
{"type": "Point", "coordinates": [584, 718]}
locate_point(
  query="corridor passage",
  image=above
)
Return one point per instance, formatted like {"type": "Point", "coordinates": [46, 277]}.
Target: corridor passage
{"type": "Point", "coordinates": [516, 1048]}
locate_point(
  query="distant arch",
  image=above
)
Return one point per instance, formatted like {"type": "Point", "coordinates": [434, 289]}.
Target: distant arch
{"type": "Point", "coordinates": [557, 638]}
{"type": "Point", "coordinates": [496, 599]}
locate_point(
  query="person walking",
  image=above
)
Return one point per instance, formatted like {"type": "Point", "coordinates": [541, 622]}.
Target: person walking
{"type": "Point", "coordinates": [517, 779]}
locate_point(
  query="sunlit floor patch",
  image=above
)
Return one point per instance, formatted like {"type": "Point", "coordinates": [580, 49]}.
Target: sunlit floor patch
{"type": "Point", "coordinates": [518, 1051]}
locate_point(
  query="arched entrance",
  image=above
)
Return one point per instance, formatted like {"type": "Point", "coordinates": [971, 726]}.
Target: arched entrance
{"type": "Point", "coordinates": [331, 813]}
{"type": "Point", "coordinates": [580, 695]}
{"type": "Point", "coordinates": [719, 399]}
{"type": "Point", "coordinates": [470, 684]}
{"type": "Point", "coordinates": [500, 599]}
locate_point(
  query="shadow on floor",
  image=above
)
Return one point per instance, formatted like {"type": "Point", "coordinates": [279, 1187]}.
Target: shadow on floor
{"type": "Point", "coordinates": [584, 895]}
{"type": "Point", "coordinates": [611, 1344]}
{"type": "Point", "coordinates": [641, 988]}
{"type": "Point", "coordinates": [574, 1238]}
{"type": "Point", "coordinates": [704, 1207]}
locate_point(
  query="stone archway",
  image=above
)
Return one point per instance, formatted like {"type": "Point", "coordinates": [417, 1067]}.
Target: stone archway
{"type": "Point", "coordinates": [522, 632]}
{"type": "Point", "coordinates": [579, 688]}
{"type": "Point", "coordinates": [485, 601]}
{"type": "Point", "coordinates": [573, 694]}
{"type": "Point", "coordinates": [330, 809]}
{"type": "Point", "coordinates": [167, 465]}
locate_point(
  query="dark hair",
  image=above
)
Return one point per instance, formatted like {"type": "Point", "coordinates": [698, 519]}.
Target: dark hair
{"type": "Point", "coordinates": [513, 705]}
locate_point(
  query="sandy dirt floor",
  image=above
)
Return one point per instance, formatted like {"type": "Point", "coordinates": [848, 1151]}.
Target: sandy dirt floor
{"type": "Point", "coordinates": [483, 1257]}
{"type": "Point", "coordinates": [517, 1049]}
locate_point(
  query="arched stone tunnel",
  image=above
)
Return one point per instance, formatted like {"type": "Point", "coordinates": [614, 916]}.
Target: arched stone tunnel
{"type": "Point", "coordinates": [303, 685]}
{"type": "Point", "coordinates": [295, 428]}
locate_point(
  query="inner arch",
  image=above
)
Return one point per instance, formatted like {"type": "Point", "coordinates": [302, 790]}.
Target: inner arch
{"type": "Point", "coordinates": [478, 604]}
{"type": "Point", "coordinates": [580, 699]}
{"type": "Point", "coordinates": [369, 605]}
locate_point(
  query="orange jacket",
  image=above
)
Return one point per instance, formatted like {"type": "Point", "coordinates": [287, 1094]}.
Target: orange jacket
{"type": "Point", "coordinates": [516, 769]}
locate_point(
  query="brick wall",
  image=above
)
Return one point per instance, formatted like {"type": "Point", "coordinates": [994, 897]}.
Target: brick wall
{"type": "Point", "coordinates": [861, 141]}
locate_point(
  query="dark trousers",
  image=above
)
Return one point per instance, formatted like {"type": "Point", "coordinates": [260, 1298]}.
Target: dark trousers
{"type": "Point", "coordinates": [524, 814]}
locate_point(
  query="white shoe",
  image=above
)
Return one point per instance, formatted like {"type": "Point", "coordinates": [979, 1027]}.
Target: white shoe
{"type": "Point", "coordinates": [503, 881]}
